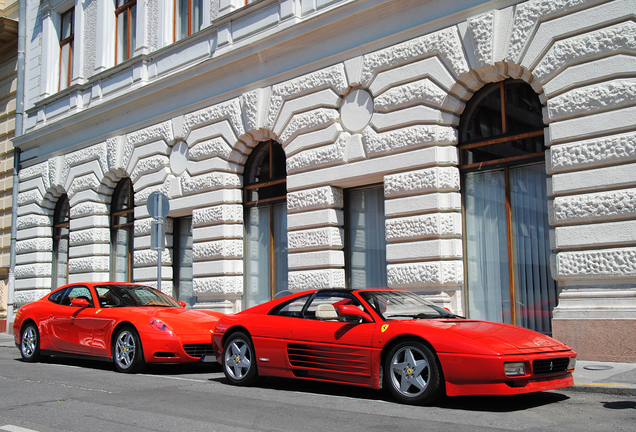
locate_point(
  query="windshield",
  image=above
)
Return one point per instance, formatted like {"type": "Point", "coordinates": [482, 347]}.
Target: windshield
{"type": "Point", "coordinates": [393, 305]}
{"type": "Point", "coordinates": [132, 296]}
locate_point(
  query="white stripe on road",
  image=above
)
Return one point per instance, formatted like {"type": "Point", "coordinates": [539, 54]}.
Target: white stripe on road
{"type": "Point", "coordinates": [12, 428]}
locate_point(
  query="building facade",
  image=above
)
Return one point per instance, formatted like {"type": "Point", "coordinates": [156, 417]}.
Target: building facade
{"type": "Point", "coordinates": [8, 85]}
{"type": "Point", "coordinates": [479, 153]}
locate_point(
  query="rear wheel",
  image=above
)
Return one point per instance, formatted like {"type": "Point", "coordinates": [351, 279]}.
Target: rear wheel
{"type": "Point", "coordinates": [239, 362]}
{"type": "Point", "coordinates": [128, 355]}
{"type": "Point", "coordinates": [30, 343]}
{"type": "Point", "coordinates": [412, 373]}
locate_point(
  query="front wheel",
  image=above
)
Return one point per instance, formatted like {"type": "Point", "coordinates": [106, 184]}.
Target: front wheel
{"type": "Point", "coordinates": [239, 362]}
{"type": "Point", "coordinates": [412, 373]}
{"type": "Point", "coordinates": [128, 355]}
{"type": "Point", "coordinates": [30, 343]}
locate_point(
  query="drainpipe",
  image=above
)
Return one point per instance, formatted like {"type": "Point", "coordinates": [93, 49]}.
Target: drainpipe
{"type": "Point", "coordinates": [19, 117]}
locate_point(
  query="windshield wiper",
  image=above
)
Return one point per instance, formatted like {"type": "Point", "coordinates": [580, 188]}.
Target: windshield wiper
{"type": "Point", "coordinates": [424, 316]}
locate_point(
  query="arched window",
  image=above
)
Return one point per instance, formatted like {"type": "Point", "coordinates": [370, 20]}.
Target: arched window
{"type": "Point", "coordinates": [61, 218]}
{"type": "Point", "coordinates": [507, 248]}
{"type": "Point", "coordinates": [265, 200]}
{"type": "Point", "coordinates": [122, 227]}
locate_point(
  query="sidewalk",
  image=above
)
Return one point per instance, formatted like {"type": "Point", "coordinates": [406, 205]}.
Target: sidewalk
{"type": "Point", "coordinates": [589, 376]}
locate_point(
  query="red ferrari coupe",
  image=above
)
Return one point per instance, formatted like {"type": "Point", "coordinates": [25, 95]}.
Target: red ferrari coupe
{"type": "Point", "coordinates": [387, 338]}
{"type": "Point", "coordinates": [128, 324]}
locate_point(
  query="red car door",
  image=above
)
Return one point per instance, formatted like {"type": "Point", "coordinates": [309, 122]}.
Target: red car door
{"type": "Point", "coordinates": [327, 348]}
{"type": "Point", "coordinates": [70, 327]}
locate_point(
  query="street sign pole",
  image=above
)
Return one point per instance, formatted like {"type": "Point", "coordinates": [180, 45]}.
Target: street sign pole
{"type": "Point", "coordinates": [158, 207]}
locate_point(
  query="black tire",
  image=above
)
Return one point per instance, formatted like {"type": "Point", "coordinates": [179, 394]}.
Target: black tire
{"type": "Point", "coordinates": [30, 343]}
{"type": "Point", "coordinates": [239, 360]}
{"type": "Point", "coordinates": [412, 373]}
{"type": "Point", "coordinates": [127, 351]}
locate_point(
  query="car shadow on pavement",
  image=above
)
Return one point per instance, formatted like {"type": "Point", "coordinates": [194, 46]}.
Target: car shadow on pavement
{"type": "Point", "coordinates": [502, 404]}
{"type": "Point", "coordinates": [155, 369]}
{"type": "Point", "coordinates": [620, 405]}
{"type": "Point", "coordinates": [493, 404]}
{"type": "Point", "coordinates": [315, 387]}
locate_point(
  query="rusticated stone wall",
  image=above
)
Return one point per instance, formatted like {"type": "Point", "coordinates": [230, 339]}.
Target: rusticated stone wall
{"type": "Point", "coordinates": [387, 116]}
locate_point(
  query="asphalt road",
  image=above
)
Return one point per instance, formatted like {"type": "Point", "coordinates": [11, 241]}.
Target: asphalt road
{"type": "Point", "coordinates": [71, 395]}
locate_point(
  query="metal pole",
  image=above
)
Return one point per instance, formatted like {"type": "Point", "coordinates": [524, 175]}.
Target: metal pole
{"type": "Point", "coordinates": [159, 249]}
{"type": "Point", "coordinates": [19, 114]}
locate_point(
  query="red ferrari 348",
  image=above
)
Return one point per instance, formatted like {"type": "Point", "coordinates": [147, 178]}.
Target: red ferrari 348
{"type": "Point", "coordinates": [128, 324]}
{"type": "Point", "coordinates": [387, 338]}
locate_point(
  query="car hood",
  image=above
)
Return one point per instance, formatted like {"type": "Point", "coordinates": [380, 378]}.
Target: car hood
{"type": "Point", "coordinates": [519, 337]}
{"type": "Point", "coordinates": [181, 320]}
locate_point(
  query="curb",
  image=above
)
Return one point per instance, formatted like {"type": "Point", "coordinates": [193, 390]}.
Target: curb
{"type": "Point", "coordinates": [614, 389]}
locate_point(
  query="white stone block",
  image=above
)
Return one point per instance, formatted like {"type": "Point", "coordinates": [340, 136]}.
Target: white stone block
{"type": "Point", "coordinates": [425, 274]}
{"type": "Point", "coordinates": [22, 297]}
{"type": "Point", "coordinates": [150, 273]}
{"type": "Point", "coordinates": [315, 239]}
{"type": "Point", "coordinates": [315, 260]}
{"type": "Point", "coordinates": [431, 67]}
{"type": "Point", "coordinates": [549, 30]}
{"type": "Point", "coordinates": [594, 98]}
{"type": "Point", "coordinates": [219, 285]}
{"type": "Point", "coordinates": [31, 221]}
{"type": "Point", "coordinates": [603, 264]}
{"type": "Point", "coordinates": [445, 43]}
{"type": "Point", "coordinates": [35, 257]}
{"type": "Point", "coordinates": [621, 176]}
{"type": "Point", "coordinates": [408, 138]}
{"type": "Point", "coordinates": [39, 244]}
{"type": "Point", "coordinates": [36, 232]}
{"type": "Point", "coordinates": [217, 268]}
{"type": "Point", "coordinates": [426, 203]}
{"type": "Point", "coordinates": [423, 227]}
{"type": "Point", "coordinates": [318, 138]}
{"type": "Point", "coordinates": [424, 250]}
{"type": "Point", "coordinates": [580, 75]}
{"type": "Point", "coordinates": [89, 236]}
{"type": "Point", "coordinates": [219, 249]}
{"type": "Point", "coordinates": [88, 264]}
{"type": "Point", "coordinates": [318, 101]}
{"type": "Point", "coordinates": [218, 232]}
{"type": "Point", "coordinates": [437, 179]}
{"type": "Point", "coordinates": [314, 219]}
{"type": "Point", "coordinates": [314, 199]}
{"type": "Point", "coordinates": [148, 258]}
{"type": "Point", "coordinates": [595, 207]}
{"type": "Point", "coordinates": [610, 234]}
{"type": "Point", "coordinates": [308, 122]}
{"type": "Point", "coordinates": [316, 158]}
{"type": "Point", "coordinates": [586, 46]}
{"type": "Point", "coordinates": [98, 249]}
{"type": "Point", "coordinates": [221, 214]}
{"type": "Point", "coordinates": [316, 279]}
{"type": "Point", "coordinates": [96, 221]}
{"type": "Point", "coordinates": [592, 125]}
{"type": "Point", "coordinates": [592, 153]}
{"type": "Point", "coordinates": [42, 270]}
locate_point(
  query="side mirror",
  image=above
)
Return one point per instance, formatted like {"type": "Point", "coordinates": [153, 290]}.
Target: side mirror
{"type": "Point", "coordinates": [79, 302]}
{"type": "Point", "coordinates": [182, 304]}
{"type": "Point", "coordinates": [353, 311]}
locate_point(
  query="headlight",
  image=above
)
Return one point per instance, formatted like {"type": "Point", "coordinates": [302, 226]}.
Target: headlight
{"type": "Point", "coordinates": [572, 364]}
{"type": "Point", "coordinates": [515, 369]}
{"type": "Point", "coordinates": [157, 324]}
